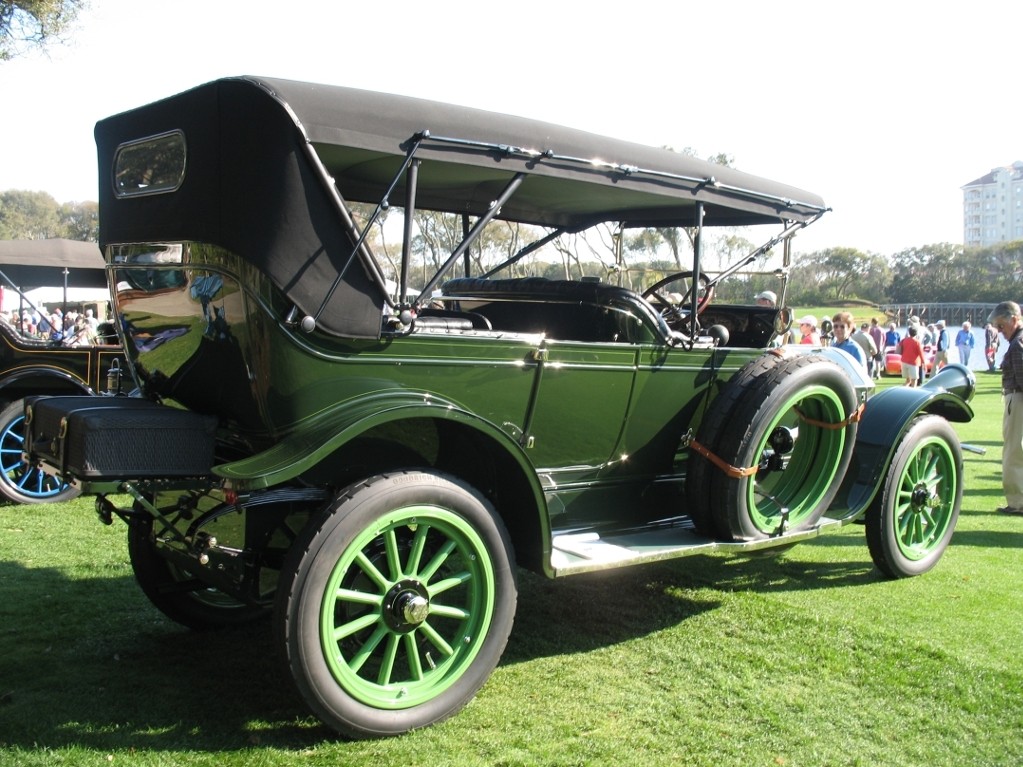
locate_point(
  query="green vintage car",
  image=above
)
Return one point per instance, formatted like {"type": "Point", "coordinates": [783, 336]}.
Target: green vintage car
{"type": "Point", "coordinates": [369, 442]}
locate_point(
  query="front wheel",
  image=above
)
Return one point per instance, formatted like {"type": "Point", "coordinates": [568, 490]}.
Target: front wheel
{"type": "Point", "coordinates": [395, 608]}
{"type": "Point", "coordinates": [911, 521]}
{"type": "Point", "coordinates": [19, 481]}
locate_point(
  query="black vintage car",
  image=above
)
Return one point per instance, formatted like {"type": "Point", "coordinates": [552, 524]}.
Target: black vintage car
{"type": "Point", "coordinates": [34, 274]}
{"type": "Point", "coordinates": [369, 442]}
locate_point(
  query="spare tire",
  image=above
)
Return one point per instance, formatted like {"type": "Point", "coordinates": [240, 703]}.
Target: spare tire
{"type": "Point", "coordinates": [794, 426]}
{"type": "Point", "coordinates": [709, 433]}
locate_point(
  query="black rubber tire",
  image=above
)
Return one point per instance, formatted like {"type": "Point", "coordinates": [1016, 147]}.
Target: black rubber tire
{"type": "Point", "coordinates": [699, 470]}
{"type": "Point", "coordinates": [367, 686]}
{"type": "Point", "coordinates": [20, 482]}
{"type": "Point", "coordinates": [176, 593]}
{"type": "Point", "coordinates": [793, 394]}
{"type": "Point", "coordinates": [911, 520]}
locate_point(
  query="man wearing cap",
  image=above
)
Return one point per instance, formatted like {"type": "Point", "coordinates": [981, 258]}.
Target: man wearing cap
{"type": "Point", "coordinates": [1006, 319]}
{"type": "Point", "coordinates": [767, 298]}
{"type": "Point", "coordinates": [808, 330]}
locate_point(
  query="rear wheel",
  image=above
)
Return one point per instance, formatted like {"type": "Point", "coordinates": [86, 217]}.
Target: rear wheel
{"type": "Point", "coordinates": [19, 481]}
{"type": "Point", "coordinates": [178, 594]}
{"type": "Point", "coordinates": [396, 607]}
{"type": "Point", "coordinates": [911, 521]}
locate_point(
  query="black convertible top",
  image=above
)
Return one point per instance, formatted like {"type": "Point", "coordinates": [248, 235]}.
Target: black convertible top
{"type": "Point", "coordinates": [270, 162]}
{"type": "Point", "coordinates": [359, 133]}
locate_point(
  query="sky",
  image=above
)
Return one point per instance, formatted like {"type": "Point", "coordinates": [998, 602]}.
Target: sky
{"type": "Point", "coordinates": [885, 109]}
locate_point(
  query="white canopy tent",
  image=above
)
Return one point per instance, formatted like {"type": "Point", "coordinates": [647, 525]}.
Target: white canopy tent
{"type": "Point", "coordinates": [10, 300]}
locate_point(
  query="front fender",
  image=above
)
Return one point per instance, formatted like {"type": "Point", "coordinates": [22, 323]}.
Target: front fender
{"type": "Point", "coordinates": [886, 418]}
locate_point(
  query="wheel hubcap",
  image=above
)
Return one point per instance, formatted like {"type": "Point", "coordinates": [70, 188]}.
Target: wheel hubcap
{"type": "Point", "coordinates": [923, 498]}
{"type": "Point", "coordinates": [415, 609]}
{"type": "Point", "coordinates": [406, 606]}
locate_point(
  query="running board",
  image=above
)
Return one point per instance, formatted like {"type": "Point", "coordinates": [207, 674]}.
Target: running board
{"type": "Point", "coordinates": [584, 552]}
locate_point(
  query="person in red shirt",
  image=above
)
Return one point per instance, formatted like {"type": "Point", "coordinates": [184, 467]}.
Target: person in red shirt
{"type": "Point", "coordinates": [912, 357]}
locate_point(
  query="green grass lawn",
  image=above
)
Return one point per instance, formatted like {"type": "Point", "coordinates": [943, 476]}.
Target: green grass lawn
{"type": "Point", "coordinates": [806, 659]}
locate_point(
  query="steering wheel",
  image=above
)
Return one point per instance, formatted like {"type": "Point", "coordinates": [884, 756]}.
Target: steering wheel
{"type": "Point", "coordinates": [672, 312]}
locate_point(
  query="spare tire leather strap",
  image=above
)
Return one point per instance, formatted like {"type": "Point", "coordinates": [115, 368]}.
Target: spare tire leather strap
{"type": "Point", "coordinates": [855, 417]}
{"type": "Point", "coordinates": [732, 471]}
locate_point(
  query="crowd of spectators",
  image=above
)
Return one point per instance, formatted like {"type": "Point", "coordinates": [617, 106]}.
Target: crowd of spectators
{"type": "Point", "coordinates": [70, 329]}
{"type": "Point", "coordinates": [871, 344]}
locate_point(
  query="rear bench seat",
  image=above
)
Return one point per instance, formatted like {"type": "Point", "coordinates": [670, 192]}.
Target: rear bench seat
{"type": "Point", "coordinates": [562, 309]}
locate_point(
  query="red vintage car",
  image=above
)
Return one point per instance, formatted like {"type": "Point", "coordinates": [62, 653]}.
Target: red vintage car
{"type": "Point", "coordinates": [893, 360]}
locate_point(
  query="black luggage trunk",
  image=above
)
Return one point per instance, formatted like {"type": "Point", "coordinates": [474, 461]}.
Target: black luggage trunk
{"type": "Point", "coordinates": [114, 438]}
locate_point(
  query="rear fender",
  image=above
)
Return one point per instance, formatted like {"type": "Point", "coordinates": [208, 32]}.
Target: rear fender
{"type": "Point", "coordinates": [885, 420]}
{"type": "Point", "coordinates": [44, 378]}
{"type": "Point", "coordinates": [317, 437]}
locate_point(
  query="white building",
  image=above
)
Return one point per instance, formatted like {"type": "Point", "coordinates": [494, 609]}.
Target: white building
{"type": "Point", "coordinates": [993, 207]}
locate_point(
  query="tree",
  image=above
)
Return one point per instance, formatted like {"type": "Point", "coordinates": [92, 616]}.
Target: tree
{"type": "Point", "coordinates": [648, 241]}
{"type": "Point", "coordinates": [837, 270]}
{"type": "Point", "coordinates": [730, 248]}
{"type": "Point", "coordinates": [80, 221]}
{"type": "Point", "coordinates": [836, 274]}
{"type": "Point", "coordinates": [28, 216]}
{"type": "Point", "coordinates": [930, 273]}
{"type": "Point", "coordinates": [435, 237]}
{"type": "Point", "coordinates": [27, 24]}
{"type": "Point", "coordinates": [37, 216]}
{"type": "Point", "coordinates": [582, 257]}
{"type": "Point", "coordinates": [998, 273]}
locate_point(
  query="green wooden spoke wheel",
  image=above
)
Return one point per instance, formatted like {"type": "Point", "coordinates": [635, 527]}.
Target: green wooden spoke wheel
{"type": "Point", "coordinates": [400, 605]}
{"type": "Point", "coordinates": [911, 521]}
{"type": "Point", "coordinates": [776, 499]}
{"type": "Point", "coordinates": [790, 423]}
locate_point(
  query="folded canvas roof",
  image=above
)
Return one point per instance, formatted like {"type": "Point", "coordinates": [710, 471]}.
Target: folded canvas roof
{"type": "Point", "coordinates": [268, 165]}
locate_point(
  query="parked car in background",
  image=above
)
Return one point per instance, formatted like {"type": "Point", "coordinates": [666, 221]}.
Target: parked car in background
{"type": "Point", "coordinates": [373, 470]}
{"type": "Point", "coordinates": [37, 278]}
{"type": "Point", "coordinates": [893, 360]}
